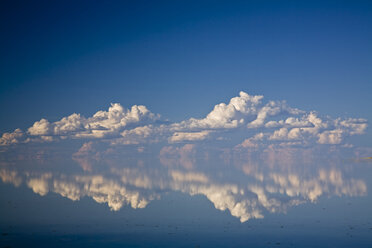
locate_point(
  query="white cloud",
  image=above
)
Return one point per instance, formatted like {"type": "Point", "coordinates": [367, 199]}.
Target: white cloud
{"type": "Point", "coordinates": [355, 126]}
{"type": "Point", "coordinates": [223, 115]}
{"type": "Point", "coordinates": [41, 127]}
{"type": "Point", "coordinates": [285, 134]}
{"type": "Point", "coordinates": [277, 122]}
{"type": "Point", "coordinates": [310, 129]}
{"type": "Point", "coordinates": [11, 138]}
{"type": "Point", "coordinates": [70, 125]}
{"type": "Point", "coordinates": [103, 124]}
{"type": "Point", "coordinates": [188, 136]}
{"type": "Point", "coordinates": [252, 142]}
{"type": "Point", "coordinates": [272, 109]}
{"type": "Point", "coordinates": [331, 137]}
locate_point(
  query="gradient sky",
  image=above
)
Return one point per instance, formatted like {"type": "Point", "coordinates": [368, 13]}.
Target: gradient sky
{"type": "Point", "coordinates": [175, 99]}
{"type": "Point", "coordinates": [180, 58]}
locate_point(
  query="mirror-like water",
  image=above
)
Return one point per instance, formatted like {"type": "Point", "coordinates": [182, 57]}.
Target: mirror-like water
{"type": "Point", "coordinates": [186, 195]}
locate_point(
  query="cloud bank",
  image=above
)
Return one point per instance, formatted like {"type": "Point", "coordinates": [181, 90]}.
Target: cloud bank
{"type": "Point", "coordinates": [260, 122]}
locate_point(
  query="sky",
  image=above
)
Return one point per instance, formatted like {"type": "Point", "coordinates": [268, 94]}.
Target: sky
{"type": "Point", "coordinates": [249, 108]}
{"type": "Point", "coordinates": [180, 58]}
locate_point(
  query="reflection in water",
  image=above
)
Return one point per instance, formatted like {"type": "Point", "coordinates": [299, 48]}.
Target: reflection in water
{"type": "Point", "coordinates": [245, 181]}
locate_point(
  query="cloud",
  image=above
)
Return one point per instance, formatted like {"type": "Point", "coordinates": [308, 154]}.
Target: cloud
{"type": "Point", "coordinates": [223, 115]}
{"type": "Point", "coordinates": [252, 141]}
{"type": "Point", "coordinates": [309, 129]}
{"type": "Point", "coordinates": [272, 109]}
{"type": "Point", "coordinates": [100, 125]}
{"type": "Point", "coordinates": [276, 120]}
{"type": "Point", "coordinates": [103, 124]}
{"type": "Point", "coordinates": [11, 138]}
{"type": "Point", "coordinates": [141, 134]}
{"type": "Point", "coordinates": [188, 136]}
{"type": "Point", "coordinates": [331, 137]}
{"type": "Point", "coordinates": [41, 127]}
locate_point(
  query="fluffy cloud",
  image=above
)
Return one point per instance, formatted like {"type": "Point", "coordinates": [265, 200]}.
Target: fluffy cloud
{"type": "Point", "coordinates": [331, 137]}
{"type": "Point", "coordinates": [11, 138]}
{"type": "Point", "coordinates": [103, 124]}
{"type": "Point", "coordinates": [41, 127]}
{"type": "Point", "coordinates": [275, 119]}
{"type": "Point", "coordinates": [223, 115]}
{"type": "Point", "coordinates": [272, 109]}
{"type": "Point", "coordinates": [308, 129]}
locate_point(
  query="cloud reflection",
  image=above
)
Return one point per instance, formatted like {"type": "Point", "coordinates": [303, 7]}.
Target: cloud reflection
{"type": "Point", "coordinates": [248, 183]}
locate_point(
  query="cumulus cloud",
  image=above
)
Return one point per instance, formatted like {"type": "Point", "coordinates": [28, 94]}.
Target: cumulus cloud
{"type": "Point", "coordinates": [331, 137]}
{"type": "Point", "coordinates": [41, 127]}
{"type": "Point", "coordinates": [223, 115]}
{"type": "Point", "coordinates": [11, 138]}
{"type": "Point", "coordinates": [308, 129]}
{"type": "Point", "coordinates": [272, 109]}
{"type": "Point", "coordinates": [103, 124]}
{"type": "Point", "coordinates": [119, 126]}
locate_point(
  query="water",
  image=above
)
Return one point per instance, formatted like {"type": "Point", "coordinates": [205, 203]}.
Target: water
{"type": "Point", "coordinates": [185, 195]}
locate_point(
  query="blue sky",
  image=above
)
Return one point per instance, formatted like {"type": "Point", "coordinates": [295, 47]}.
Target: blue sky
{"type": "Point", "coordinates": [180, 58]}
{"type": "Point", "coordinates": [257, 106]}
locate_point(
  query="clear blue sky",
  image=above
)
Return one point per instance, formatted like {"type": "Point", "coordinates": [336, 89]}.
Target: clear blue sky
{"type": "Point", "coordinates": [180, 58]}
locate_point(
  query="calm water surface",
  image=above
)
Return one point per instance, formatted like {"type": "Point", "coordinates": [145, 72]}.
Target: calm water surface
{"type": "Point", "coordinates": [185, 196]}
